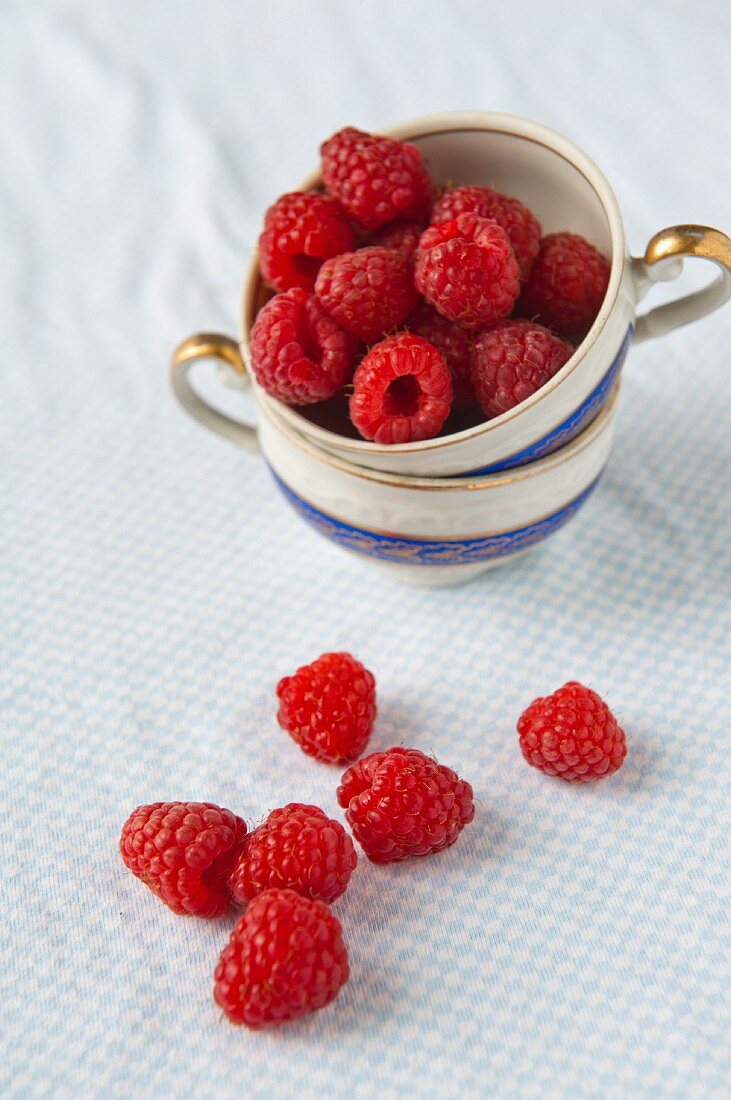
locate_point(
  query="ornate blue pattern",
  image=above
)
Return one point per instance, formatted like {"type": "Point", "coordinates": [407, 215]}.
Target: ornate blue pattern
{"type": "Point", "coordinates": [571, 427]}
{"type": "Point", "coordinates": [414, 551]}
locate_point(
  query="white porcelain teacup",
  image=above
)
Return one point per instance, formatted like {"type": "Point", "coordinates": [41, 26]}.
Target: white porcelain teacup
{"type": "Point", "coordinates": [435, 531]}
{"type": "Point", "coordinates": [567, 191]}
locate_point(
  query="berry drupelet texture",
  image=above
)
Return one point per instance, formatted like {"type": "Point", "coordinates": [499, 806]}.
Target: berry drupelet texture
{"type": "Point", "coordinates": [402, 391]}
{"type": "Point", "coordinates": [573, 735]}
{"type": "Point", "coordinates": [286, 958]}
{"type": "Point", "coordinates": [329, 707]}
{"type": "Point", "coordinates": [184, 852]}
{"type": "Point", "coordinates": [299, 353]}
{"type": "Point", "coordinates": [377, 179]}
{"type": "Point", "coordinates": [402, 237]}
{"type": "Point", "coordinates": [301, 230]}
{"type": "Point", "coordinates": [567, 284]}
{"type": "Point", "coordinates": [368, 292]}
{"type": "Point", "coordinates": [297, 848]}
{"type": "Point", "coordinates": [513, 360]}
{"type": "Point", "coordinates": [452, 341]}
{"type": "Point", "coordinates": [467, 269]}
{"type": "Point", "coordinates": [521, 226]}
{"type": "Point", "coordinates": [401, 803]}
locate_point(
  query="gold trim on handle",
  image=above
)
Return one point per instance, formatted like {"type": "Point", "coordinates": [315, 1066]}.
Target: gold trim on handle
{"type": "Point", "coordinates": [690, 240]}
{"type": "Point", "coordinates": [210, 345]}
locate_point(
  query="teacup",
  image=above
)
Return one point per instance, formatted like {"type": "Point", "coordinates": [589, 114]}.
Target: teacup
{"type": "Point", "coordinates": [567, 191]}
{"type": "Point", "coordinates": [435, 531]}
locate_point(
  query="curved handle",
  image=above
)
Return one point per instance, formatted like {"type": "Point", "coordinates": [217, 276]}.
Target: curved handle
{"type": "Point", "coordinates": [210, 345]}
{"type": "Point", "coordinates": [663, 260]}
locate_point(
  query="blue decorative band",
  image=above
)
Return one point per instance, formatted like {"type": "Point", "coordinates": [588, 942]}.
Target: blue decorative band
{"type": "Point", "coordinates": [571, 427]}
{"type": "Point", "coordinates": [412, 551]}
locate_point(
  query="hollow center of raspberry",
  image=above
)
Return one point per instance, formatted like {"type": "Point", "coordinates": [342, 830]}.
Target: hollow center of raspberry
{"type": "Point", "coordinates": [306, 267]}
{"type": "Point", "coordinates": [402, 396]}
{"type": "Point", "coordinates": [309, 344]}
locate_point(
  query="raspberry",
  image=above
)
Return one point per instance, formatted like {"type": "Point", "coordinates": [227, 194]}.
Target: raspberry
{"type": "Point", "coordinates": [572, 734]}
{"type": "Point", "coordinates": [401, 803]}
{"type": "Point", "coordinates": [403, 238]}
{"type": "Point", "coordinates": [402, 391]}
{"type": "Point", "coordinates": [297, 848]}
{"type": "Point", "coordinates": [513, 360]}
{"type": "Point", "coordinates": [299, 353]}
{"type": "Point", "coordinates": [286, 958]}
{"type": "Point", "coordinates": [520, 224]}
{"type": "Point", "coordinates": [567, 285]}
{"type": "Point", "coordinates": [467, 269]}
{"type": "Point", "coordinates": [301, 230]}
{"type": "Point", "coordinates": [184, 852]}
{"type": "Point", "coordinates": [452, 341]}
{"type": "Point", "coordinates": [375, 178]}
{"type": "Point", "coordinates": [329, 707]}
{"type": "Point", "coordinates": [368, 292]}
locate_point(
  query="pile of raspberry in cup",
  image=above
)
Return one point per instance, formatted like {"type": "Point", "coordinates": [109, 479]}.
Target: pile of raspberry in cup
{"type": "Point", "coordinates": [426, 307]}
{"type": "Point", "coordinates": [286, 956]}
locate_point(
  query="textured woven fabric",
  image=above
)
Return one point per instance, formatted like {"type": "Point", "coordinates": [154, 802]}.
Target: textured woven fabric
{"type": "Point", "coordinates": [154, 586]}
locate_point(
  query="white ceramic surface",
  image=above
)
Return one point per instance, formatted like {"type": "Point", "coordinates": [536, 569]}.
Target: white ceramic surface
{"type": "Point", "coordinates": [436, 531]}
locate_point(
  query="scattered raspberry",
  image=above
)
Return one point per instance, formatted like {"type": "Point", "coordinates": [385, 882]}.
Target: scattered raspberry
{"type": "Point", "coordinates": [403, 238]}
{"type": "Point", "coordinates": [368, 292]}
{"type": "Point", "coordinates": [329, 707]}
{"type": "Point", "coordinates": [299, 353]}
{"type": "Point", "coordinates": [401, 803]}
{"type": "Point", "coordinates": [513, 360]}
{"type": "Point", "coordinates": [301, 230]}
{"type": "Point", "coordinates": [297, 848]}
{"type": "Point", "coordinates": [567, 285]}
{"type": "Point", "coordinates": [286, 958]}
{"type": "Point", "coordinates": [520, 224]}
{"type": "Point", "coordinates": [402, 391]}
{"type": "Point", "coordinates": [184, 852]}
{"type": "Point", "coordinates": [572, 734]}
{"type": "Point", "coordinates": [467, 269]}
{"type": "Point", "coordinates": [452, 341]}
{"type": "Point", "coordinates": [375, 178]}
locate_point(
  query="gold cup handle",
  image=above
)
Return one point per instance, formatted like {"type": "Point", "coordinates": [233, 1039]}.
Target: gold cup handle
{"type": "Point", "coordinates": [210, 345]}
{"type": "Point", "coordinates": [663, 260]}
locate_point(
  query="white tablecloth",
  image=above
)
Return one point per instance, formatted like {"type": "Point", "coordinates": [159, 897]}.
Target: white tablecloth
{"type": "Point", "coordinates": [153, 586]}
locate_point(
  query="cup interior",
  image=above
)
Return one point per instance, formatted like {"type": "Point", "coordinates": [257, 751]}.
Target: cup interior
{"type": "Point", "coordinates": [520, 158]}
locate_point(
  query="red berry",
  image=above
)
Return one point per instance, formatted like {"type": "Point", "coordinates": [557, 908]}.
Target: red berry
{"type": "Point", "coordinates": [513, 360]}
{"type": "Point", "coordinates": [572, 734]}
{"type": "Point", "coordinates": [329, 707]}
{"type": "Point", "coordinates": [184, 852]}
{"type": "Point", "coordinates": [567, 285]}
{"type": "Point", "coordinates": [402, 391]}
{"type": "Point", "coordinates": [301, 230]}
{"type": "Point", "coordinates": [467, 269]}
{"type": "Point", "coordinates": [402, 237]}
{"type": "Point", "coordinates": [297, 848]}
{"type": "Point", "coordinates": [452, 341]}
{"type": "Point", "coordinates": [368, 292]}
{"type": "Point", "coordinates": [401, 803]}
{"type": "Point", "coordinates": [375, 178]}
{"type": "Point", "coordinates": [520, 224]}
{"type": "Point", "coordinates": [299, 353]}
{"type": "Point", "coordinates": [286, 958]}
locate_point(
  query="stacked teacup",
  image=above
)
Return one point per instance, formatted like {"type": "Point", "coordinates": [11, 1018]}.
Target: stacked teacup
{"type": "Point", "coordinates": [441, 510]}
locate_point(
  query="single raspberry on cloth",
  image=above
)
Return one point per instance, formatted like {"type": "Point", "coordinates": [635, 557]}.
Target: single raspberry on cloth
{"type": "Point", "coordinates": [297, 848]}
{"type": "Point", "coordinates": [368, 292]}
{"type": "Point", "coordinates": [299, 353]}
{"type": "Point", "coordinates": [401, 803]}
{"type": "Point", "coordinates": [375, 178]}
{"type": "Point", "coordinates": [567, 284]}
{"type": "Point", "coordinates": [286, 958]}
{"type": "Point", "coordinates": [511, 361]}
{"type": "Point", "coordinates": [452, 341]}
{"type": "Point", "coordinates": [302, 229]}
{"type": "Point", "coordinates": [402, 391]}
{"type": "Point", "coordinates": [329, 707]}
{"type": "Point", "coordinates": [467, 269]}
{"type": "Point", "coordinates": [521, 225]}
{"type": "Point", "coordinates": [572, 734]}
{"type": "Point", "coordinates": [402, 237]}
{"type": "Point", "coordinates": [184, 852]}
